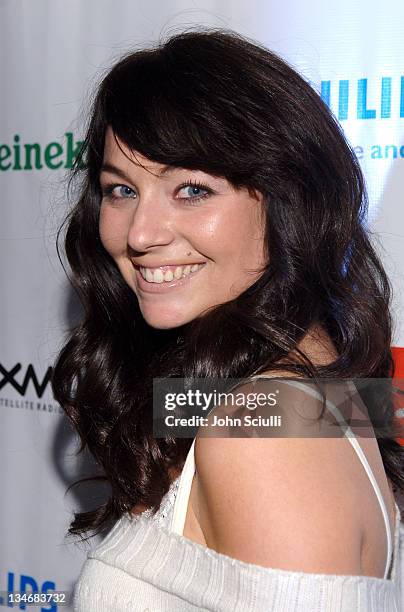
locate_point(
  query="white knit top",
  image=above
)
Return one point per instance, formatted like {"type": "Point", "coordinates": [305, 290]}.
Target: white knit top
{"type": "Point", "coordinates": [145, 564]}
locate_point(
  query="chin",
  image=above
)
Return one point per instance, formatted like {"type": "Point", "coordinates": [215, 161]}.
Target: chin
{"type": "Point", "coordinates": [166, 320]}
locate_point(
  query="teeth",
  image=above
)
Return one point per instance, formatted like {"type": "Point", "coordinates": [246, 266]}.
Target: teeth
{"type": "Point", "coordinates": [158, 276]}
{"type": "Point", "coordinates": [149, 275]}
{"type": "Point", "coordinates": [178, 272]}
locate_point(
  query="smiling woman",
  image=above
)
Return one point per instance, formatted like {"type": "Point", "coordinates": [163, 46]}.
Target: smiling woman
{"type": "Point", "coordinates": [155, 226]}
{"type": "Point", "coordinates": [220, 233]}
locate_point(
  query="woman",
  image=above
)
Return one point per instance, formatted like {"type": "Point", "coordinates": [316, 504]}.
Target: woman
{"type": "Point", "coordinates": [220, 232]}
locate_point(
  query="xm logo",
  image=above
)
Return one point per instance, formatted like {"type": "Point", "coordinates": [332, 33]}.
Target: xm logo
{"type": "Point", "coordinates": [8, 377]}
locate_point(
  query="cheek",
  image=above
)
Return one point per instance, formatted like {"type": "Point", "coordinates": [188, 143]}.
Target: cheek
{"type": "Point", "coordinates": [244, 238]}
{"type": "Point", "coordinates": [218, 234]}
{"type": "Point", "coordinates": [238, 233]}
{"type": "Point", "coordinates": [112, 230]}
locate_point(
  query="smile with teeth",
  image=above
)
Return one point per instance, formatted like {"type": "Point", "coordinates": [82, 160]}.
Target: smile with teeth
{"type": "Point", "coordinates": [157, 275]}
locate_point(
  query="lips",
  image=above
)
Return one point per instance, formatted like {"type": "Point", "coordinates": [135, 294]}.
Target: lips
{"type": "Point", "coordinates": [158, 275]}
{"type": "Point", "coordinates": [158, 284]}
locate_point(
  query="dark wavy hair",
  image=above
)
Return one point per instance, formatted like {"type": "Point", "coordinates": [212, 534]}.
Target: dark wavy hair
{"type": "Point", "coordinates": [216, 101]}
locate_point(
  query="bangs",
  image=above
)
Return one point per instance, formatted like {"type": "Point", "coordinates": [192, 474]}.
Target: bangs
{"type": "Point", "coordinates": [174, 113]}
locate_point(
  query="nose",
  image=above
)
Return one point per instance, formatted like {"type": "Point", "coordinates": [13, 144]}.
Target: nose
{"type": "Point", "coordinates": [151, 223]}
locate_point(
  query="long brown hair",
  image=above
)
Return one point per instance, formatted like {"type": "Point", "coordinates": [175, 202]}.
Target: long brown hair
{"type": "Point", "coordinates": [219, 102]}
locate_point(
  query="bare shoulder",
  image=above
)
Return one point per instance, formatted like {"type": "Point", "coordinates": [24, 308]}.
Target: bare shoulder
{"type": "Point", "coordinates": [278, 503]}
{"type": "Point", "coordinates": [282, 502]}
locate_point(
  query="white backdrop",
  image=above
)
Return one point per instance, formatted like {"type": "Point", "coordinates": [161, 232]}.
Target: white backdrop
{"type": "Point", "coordinates": [52, 53]}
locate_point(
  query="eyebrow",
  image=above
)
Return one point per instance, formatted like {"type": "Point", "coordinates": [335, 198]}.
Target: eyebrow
{"type": "Point", "coordinates": [115, 170]}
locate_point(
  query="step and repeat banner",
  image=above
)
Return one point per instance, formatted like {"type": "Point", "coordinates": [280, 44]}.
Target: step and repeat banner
{"type": "Point", "coordinates": [53, 53]}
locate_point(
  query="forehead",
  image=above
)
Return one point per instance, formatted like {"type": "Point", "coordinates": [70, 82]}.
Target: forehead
{"type": "Point", "coordinates": [119, 159]}
{"type": "Point", "coordinates": [118, 152]}
{"type": "Point", "coordinates": [119, 156]}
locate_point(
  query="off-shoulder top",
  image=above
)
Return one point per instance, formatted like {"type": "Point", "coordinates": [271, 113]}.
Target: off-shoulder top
{"type": "Point", "coordinates": [146, 564]}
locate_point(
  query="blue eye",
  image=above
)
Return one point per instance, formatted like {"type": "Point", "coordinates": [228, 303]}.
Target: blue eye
{"type": "Point", "coordinates": [116, 192]}
{"type": "Point", "coordinates": [194, 191]}
{"type": "Point", "coordinates": [125, 191]}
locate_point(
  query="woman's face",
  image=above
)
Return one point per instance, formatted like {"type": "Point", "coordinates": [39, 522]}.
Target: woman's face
{"type": "Point", "coordinates": [197, 246]}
